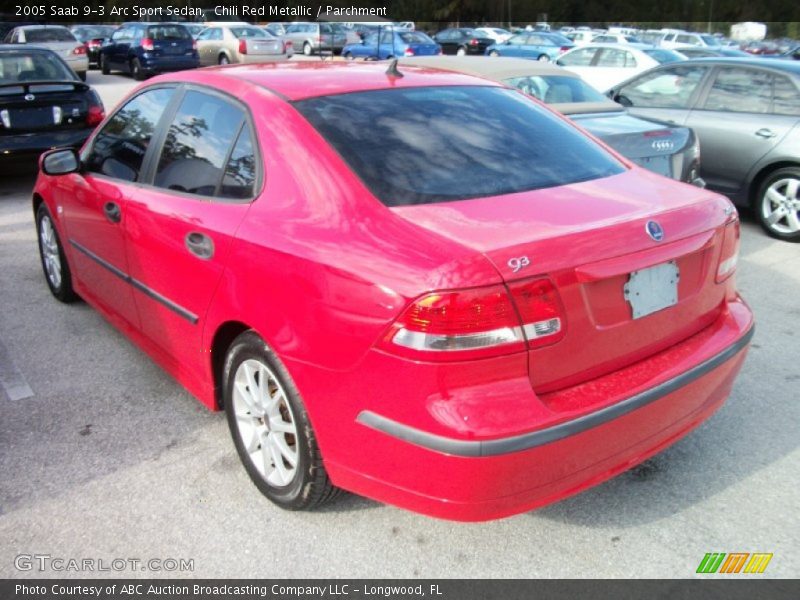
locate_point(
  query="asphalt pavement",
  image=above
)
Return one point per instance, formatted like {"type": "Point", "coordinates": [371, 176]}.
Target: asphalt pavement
{"type": "Point", "coordinates": [108, 458]}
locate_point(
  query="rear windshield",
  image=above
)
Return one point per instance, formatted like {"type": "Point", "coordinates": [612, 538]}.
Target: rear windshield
{"type": "Point", "coordinates": [92, 33]}
{"type": "Point", "coordinates": [435, 144]}
{"type": "Point", "coordinates": [168, 32]}
{"type": "Point", "coordinates": [55, 34]}
{"type": "Point", "coordinates": [556, 89]}
{"type": "Point", "coordinates": [36, 66]}
{"type": "Point", "coordinates": [415, 37]}
{"type": "Point", "coordinates": [662, 56]}
{"type": "Point", "coordinates": [249, 32]}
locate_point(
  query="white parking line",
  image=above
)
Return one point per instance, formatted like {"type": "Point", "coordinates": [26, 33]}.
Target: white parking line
{"type": "Point", "coordinates": [11, 379]}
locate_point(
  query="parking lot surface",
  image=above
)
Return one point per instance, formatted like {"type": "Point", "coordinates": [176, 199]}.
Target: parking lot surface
{"type": "Point", "coordinates": [108, 457]}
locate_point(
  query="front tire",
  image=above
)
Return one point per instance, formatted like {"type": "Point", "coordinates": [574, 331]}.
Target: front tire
{"type": "Point", "coordinates": [494, 53]}
{"type": "Point", "coordinates": [104, 68]}
{"type": "Point", "coordinates": [54, 263]}
{"type": "Point", "coordinates": [82, 75]}
{"type": "Point", "coordinates": [270, 427]}
{"type": "Point", "coordinates": [777, 204]}
{"type": "Point", "coordinates": [461, 51]}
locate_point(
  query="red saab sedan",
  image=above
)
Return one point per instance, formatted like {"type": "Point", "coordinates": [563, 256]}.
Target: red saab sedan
{"type": "Point", "coordinates": [419, 286]}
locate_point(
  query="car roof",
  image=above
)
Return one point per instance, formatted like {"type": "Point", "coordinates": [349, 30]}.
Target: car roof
{"type": "Point", "coordinates": [30, 27]}
{"type": "Point", "coordinates": [301, 80]}
{"type": "Point", "coordinates": [495, 68]}
{"type": "Point", "coordinates": [780, 65]}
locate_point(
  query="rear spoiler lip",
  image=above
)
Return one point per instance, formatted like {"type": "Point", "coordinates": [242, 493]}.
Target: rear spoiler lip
{"type": "Point", "coordinates": [79, 85]}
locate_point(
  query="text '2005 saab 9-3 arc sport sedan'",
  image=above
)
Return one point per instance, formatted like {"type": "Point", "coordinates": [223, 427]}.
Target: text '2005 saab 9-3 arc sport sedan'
{"type": "Point", "coordinates": [390, 290]}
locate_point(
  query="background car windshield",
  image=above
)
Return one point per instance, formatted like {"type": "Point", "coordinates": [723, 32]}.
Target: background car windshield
{"type": "Point", "coordinates": [168, 32]}
{"type": "Point", "coordinates": [415, 37]}
{"type": "Point", "coordinates": [37, 36]}
{"type": "Point", "coordinates": [662, 56]}
{"type": "Point", "coordinates": [249, 32]}
{"type": "Point", "coordinates": [423, 145]}
{"type": "Point", "coordinates": [36, 66]}
{"type": "Point", "coordinates": [555, 89]}
{"type": "Point", "coordinates": [92, 33]}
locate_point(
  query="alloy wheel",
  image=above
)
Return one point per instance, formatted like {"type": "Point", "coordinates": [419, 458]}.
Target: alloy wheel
{"type": "Point", "coordinates": [780, 206]}
{"type": "Point", "coordinates": [50, 251]}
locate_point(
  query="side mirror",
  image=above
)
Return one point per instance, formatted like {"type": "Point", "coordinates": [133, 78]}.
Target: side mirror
{"type": "Point", "coordinates": [60, 162]}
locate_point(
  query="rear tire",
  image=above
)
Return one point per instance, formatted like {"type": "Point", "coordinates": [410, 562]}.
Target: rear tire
{"type": "Point", "coordinates": [136, 70]}
{"type": "Point", "coordinates": [104, 68]}
{"type": "Point", "coordinates": [777, 204]}
{"type": "Point", "coordinates": [307, 50]}
{"type": "Point", "coordinates": [543, 58]}
{"type": "Point", "coordinates": [461, 51]}
{"type": "Point", "coordinates": [271, 429]}
{"type": "Point", "coordinates": [348, 56]}
{"type": "Point", "coordinates": [82, 75]}
{"type": "Point", "coordinates": [494, 53]}
{"type": "Point", "coordinates": [54, 263]}
{"type": "Point", "coordinates": [223, 60]}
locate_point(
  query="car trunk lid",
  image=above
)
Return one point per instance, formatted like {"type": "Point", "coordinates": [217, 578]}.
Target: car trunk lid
{"type": "Point", "coordinates": [33, 106]}
{"type": "Point", "coordinates": [263, 46]}
{"type": "Point", "coordinates": [588, 239]}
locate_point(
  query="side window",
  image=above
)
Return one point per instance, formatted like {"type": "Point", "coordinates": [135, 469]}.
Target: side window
{"type": "Point", "coordinates": [740, 90]}
{"type": "Point", "coordinates": [686, 39]}
{"type": "Point", "coordinates": [619, 59]}
{"type": "Point", "coordinates": [665, 88]}
{"type": "Point", "coordinates": [239, 179]}
{"type": "Point", "coordinates": [118, 149]}
{"type": "Point", "coordinates": [787, 98]}
{"type": "Point", "coordinates": [205, 35]}
{"type": "Point", "coordinates": [579, 58]}
{"type": "Point", "coordinates": [518, 40]}
{"type": "Point", "coordinates": [216, 34]}
{"type": "Point", "coordinates": [197, 143]}
{"type": "Point", "coordinates": [386, 37]}
{"type": "Point", "coordinates": [604, 39]}
{"type": "Point", "coordinates": [118, 35]}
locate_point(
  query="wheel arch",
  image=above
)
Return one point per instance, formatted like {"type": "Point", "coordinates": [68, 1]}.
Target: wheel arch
{"type": "Point", "coordinates": [221, 342]}
{"type": "Point", "coordinates": [762, 174]}
{"type": "Point", "coordinates": [36, 202]}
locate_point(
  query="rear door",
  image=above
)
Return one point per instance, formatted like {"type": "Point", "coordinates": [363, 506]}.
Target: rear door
{"type": "Point", "coordinates": [117, 53]}
{"type": "Point", "coordinates": [181, 227]}
{"type": "Point", "coordinates": [737, 125]}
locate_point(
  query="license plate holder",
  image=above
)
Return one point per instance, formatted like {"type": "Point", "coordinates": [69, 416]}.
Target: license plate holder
{"type": "Point", "coordinates": [652, 289]}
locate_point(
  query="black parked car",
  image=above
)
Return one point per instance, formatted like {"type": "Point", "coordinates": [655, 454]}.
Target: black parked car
{"type": "Point", "coordinates": [43, 104]}
{"type": "Point", "coordinates": [462, 41]}
{"type": "Point", "coordinates": [93, 37]}
{"type": "Point", "coordinates": [144, 49]}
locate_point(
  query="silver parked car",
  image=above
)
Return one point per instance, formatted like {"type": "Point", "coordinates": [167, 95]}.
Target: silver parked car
{"type": "Point", "coordinates": [746, 112]}
{"type": "Point", "coordinates": [312, 38]}
{"type": "Point", "coordinates": [235, 43]}
{"type": "Point", "coordinates": [666, 149]}
{"type": "Point", "coordinates": [56, 38]}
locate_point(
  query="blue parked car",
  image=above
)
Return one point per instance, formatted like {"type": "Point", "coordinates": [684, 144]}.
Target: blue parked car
{"type": "Point", "coordinates": [393, 44]}
{"type": "Point", "coordinates": [537, 45]}
{"type": "Point", "coordinates": [144, 49]}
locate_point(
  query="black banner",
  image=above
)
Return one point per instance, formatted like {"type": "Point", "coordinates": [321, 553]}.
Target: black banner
{"type": "Point", "coordinates": [743, 586]}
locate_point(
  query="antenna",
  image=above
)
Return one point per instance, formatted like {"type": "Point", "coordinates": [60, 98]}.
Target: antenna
{"type": "Point", "coordinates": [392, 70]}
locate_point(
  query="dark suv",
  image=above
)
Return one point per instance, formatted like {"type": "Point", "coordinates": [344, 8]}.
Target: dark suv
{"type": "Point", "coordinates": [143, 49]}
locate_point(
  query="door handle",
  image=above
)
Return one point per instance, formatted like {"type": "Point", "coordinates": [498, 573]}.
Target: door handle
{"type": "Point", "coordinates": [200, 245]}
{"type": "Point", "coordinates": [766, 133]}
{"type": "Point", "coordinates": [112, 212]}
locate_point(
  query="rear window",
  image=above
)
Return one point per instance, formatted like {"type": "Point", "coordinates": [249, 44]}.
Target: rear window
{"type": "Point", "coordinates": [249, 32]}
{"type": "Point", "coordinates": [555, 89]}
{"type": "Point", "coordinates": [168, 32]}
{"type": "Point", "coordinates": [423, 145]}
{"type": "Point", "coordinates": [55, 34]}
{"type": "Point", "coordinates": [414, 37]}
{"type": "Point", "coordinates": [662, 56]}
{"type": "Point", "coordinates": [36, 66]}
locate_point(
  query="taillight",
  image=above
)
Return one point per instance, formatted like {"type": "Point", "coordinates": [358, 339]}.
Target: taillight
{"type": "Point", "coordinates": [242, 46]}
{"type": "Point", "coordinates": [147, 45]}
{"type": "Point", "coordinates": [95, 115]}
{"type": "Point", "coordinates": [94, 44]}
{"type": "Point", "coordinates": [287, 45]}
{"type": "Point", "coordinates": [729, 255]}
{"type": "Point", "coordinates": [194, 45]}
{"type": "Point", "coordinates": [473, 42]}
{"type": "Point", "coordinates": [563, 49]}
{"type": "Point", "coordinates": [478, 322]}
{"type": "Point", "coordinates": [540, 311]}
{"type": "Point", "coordinates": [409, 52]}
{"type": "Point", "coordinates": [79, 50]}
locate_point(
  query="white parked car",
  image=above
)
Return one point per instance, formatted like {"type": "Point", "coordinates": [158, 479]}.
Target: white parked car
{"type": "Point", "coordinates": [581, 38]}
{"type": "Point", "coordinates": [56, 38]}
{"type": "Point", "coordinates": [498, 34]}
{"type": "Point", "coordinates": [683, 38]}
{"type": "Point", "coordinates": [604, 65]}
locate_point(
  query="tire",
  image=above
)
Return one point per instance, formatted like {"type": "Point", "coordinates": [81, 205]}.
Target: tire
{"type": "Point", "coordinates": [54, 263]}
{"type": "Point", "coordinates": [104, 68]}
{"type": "Point", "coordinates": [307, 50]}
{"type": "Point", "coordinates": [223, 60]}
{"type": "Point", "coordinates": [348, 56]}
{"type": "Point", "coordinates": [461, 51]}
{"type": "Point", "coordinates": [136, 70]}
{"type": "Point", "coordinates": [543, 58]}
{"type": "Point", "coordinates": [777, 204]}
{"type": "Point", "coordinates": [301, 486]}
{"type": "Point", "coordinates": [494, 53]}
{"type": "Point", "coordinates": [82, 75]}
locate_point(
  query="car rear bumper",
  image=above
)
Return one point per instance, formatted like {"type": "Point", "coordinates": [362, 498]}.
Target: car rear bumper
{"type": "Point", "coordinates": [161, 64]}
{"type": "Point", "coordinates": [38, 142]}
{"type": "Point", "coordinates": [463, 478]}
